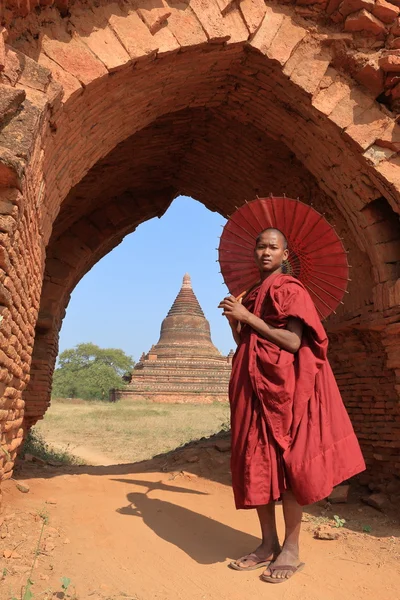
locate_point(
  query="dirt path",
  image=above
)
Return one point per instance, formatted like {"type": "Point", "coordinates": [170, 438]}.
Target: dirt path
{"type": "Point", "coordinates": [89, 455]}
{"type": "Point", "coordinates": [155, 531]}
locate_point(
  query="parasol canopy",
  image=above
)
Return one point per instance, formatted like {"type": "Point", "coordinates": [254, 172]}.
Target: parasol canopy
{"type": "Point", "coordinates": [316, 254]}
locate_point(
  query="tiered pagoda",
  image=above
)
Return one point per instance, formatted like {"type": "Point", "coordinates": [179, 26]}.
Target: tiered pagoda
{"type": "Point", "coordinates": [184, 366]}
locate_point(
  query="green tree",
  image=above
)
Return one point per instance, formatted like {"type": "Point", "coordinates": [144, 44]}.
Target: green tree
{"type": "Point", "coordinates": [89, 372]}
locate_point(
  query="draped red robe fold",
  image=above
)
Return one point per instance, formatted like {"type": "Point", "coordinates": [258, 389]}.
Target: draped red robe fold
{"type": "Point", "coordinates": [290, 429]}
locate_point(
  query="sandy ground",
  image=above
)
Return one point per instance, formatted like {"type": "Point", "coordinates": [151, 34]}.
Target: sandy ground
{"type": "Point", "coordinates": [91, 456]}
{"type": "Point", "coordinates": [166, 529]}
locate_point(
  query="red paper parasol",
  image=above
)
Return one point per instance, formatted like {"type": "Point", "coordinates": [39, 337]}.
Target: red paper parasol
{"type": "Point", "coordinates": [316, 254]}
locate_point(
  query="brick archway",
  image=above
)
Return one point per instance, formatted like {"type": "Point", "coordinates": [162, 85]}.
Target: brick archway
{"type": "Point", "coordinates": [246, 101]}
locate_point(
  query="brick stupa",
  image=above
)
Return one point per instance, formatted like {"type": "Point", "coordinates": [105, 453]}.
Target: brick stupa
{"type": "Point", "coordinates": [184, 366]}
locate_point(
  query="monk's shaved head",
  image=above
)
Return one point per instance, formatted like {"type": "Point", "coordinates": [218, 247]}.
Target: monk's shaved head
{"type": "Point", "coordinates": [274, 230]}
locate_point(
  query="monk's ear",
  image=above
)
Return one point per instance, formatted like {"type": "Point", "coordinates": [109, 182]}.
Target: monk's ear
{"type": "Point", "coordinates": [285, 254]}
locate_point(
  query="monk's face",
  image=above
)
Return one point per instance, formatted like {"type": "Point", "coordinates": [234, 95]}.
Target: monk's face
{"type": "Point", "coordinates": [270, 252]}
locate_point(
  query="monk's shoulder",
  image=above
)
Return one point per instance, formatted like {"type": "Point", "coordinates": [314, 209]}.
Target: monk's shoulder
{"type": "Point", "coordinates": [287, 285]}
{"type": "Point", "coordinates": [290, 294]}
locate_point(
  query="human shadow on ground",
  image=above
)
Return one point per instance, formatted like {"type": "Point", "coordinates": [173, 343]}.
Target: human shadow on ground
{"type": "Point", "coordinates": [204, 539]}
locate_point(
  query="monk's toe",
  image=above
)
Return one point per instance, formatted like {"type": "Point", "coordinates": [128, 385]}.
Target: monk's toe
{"type": "Point", "coordinates": [280, 574]}
{"type": "Point", "coordinates": [267, 573]}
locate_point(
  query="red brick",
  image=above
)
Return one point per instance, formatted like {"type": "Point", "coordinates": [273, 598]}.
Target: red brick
{"type": "Point", "coordinates": [253, 12]}
{"type": "Point", "coordinates": [385, 11]}
{"type": "Point", "coordinates": [93, 29]}
{"type": "Point", "coordinates": [287, 38]}
{"type": "Point", "coordinates": [390, 63]}
{"type": "Point", "coordinates": [348, 7]}
{"type": "Point", "coordinates": [364, 21]}
{"type": "Point", "coordinates": [211, 19]}
{"type": "Point", "coordinates": [186, 28]}
{"type": "Point", "coordinates": [394, 43]}
{"type": "Point", "coordinates": [351, 107]}
{"type": "Point", "coordinates": [2, 50]}
{"type": "Point", "coordinates": [332, 6]}
{"type": "Point", "coordinates": [371, 124]}
{"type": "Point", "coordinates": [268, 29]}
{"type": "Point", "coordinates": [307, 66]}
{"type": "Point", "coordinates": [327, 99]}
{"type": "Point", "coordinates": [155, 14]}
{"type": "Point", "coordinates": [372, 77]}
{"type": "Point", "coordinates": [130, 29]}
{"type": "Point", "coordinates": [395, 28]}
{"type": "Point", "coordinates": [71, 54]}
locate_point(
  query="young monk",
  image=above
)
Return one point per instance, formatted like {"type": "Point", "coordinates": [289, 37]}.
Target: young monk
{"type": "Point", "coordinates": [291, 436]}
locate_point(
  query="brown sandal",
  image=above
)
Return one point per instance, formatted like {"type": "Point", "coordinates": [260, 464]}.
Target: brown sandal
{"type": "Point", "coordinates": [271, 579]}
{"type": "Point", "coordinates": [259, 563]}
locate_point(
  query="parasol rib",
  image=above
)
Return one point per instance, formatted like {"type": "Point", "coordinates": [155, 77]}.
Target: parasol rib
{"type": "Point", "coordinates": [237, 235]}
{"type": "Point", "coordinates": [231, 252]}
{"type": "Point", "coordinates": [321, 247]}
{"type": "Point", "coordinates": [322, 289]}
{"type": "Point", "coordinates": [320, 299]}
{"type": "Point", "coordinates": [312, 228]}
{"type": "Point", "coordinates": [249, 223]}
{"type": "Point", "coordinates": [240, 226]}
{"type": "Point", "coordinates": [236, 244]}
{"type": "Point", "coordinates": [329, 283]}
{"type": "Point", "coordinates": [273, 212]}
{"type": "Point", "coordinates": [326, 232]}
{"type": "Point", "coordinates": [296, 205]}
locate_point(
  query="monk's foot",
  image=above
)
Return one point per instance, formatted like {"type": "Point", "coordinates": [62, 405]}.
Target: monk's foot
{"type": "Point", "coordinates": [288, 559]}
{"type": "Point", "coordinates": [261, 557]}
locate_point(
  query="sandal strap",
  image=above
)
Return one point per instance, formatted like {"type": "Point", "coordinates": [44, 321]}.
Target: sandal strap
{"type": "Point", "coordinates": [252, 556]}
{"type": "Point", "coordinates": [273, 568]}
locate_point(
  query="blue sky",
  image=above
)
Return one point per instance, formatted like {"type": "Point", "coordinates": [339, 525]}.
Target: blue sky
{"type": "Point", "coordinates": [121, 302]}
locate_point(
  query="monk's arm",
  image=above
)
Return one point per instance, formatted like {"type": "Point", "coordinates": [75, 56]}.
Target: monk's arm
{"type": "Point", "coordinates": [234, 323]}
{"type": "Point", "coordinates": [288, 339]}
{"type": "Point", "coordinates": [235, 327]}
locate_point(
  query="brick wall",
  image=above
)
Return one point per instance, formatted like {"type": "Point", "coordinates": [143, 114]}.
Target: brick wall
{"type": "Point", "coordinates": [20, 285]}
{"type": "Point", "coordinates": [368, 388]}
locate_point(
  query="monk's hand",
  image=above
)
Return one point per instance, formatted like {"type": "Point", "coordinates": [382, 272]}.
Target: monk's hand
{"type": "Point", "coordinates": [234, 310]}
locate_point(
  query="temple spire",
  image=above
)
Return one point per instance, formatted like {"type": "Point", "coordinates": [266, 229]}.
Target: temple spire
{"type": "Point", "coordinates": [186, 302]}
{"type": "Point", "coordinates": [187, 283]}
{"type": "Point", "coordinates": [184, 365]}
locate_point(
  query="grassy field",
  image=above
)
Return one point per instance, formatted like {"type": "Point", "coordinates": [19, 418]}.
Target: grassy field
{"type": "Point", "coordinates": [129, 431]}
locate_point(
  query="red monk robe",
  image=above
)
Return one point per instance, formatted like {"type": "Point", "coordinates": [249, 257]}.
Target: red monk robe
{"type": "Point", "coordinates": [290, 429]}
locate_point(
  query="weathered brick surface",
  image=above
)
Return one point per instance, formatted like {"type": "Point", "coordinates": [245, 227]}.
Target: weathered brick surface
{"type": "Point", "coordinates": [369, 390]}
{"type": "Point", "coordinates": [108, 112]}
{"type": "Point", "coordinates": [170, 24]}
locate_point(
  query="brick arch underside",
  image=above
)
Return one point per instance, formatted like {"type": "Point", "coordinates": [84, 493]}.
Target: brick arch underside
{"type": "Point", "coordinates": [315, 133]}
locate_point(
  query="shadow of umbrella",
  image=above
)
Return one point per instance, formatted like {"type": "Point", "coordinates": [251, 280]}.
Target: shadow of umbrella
{"type": "Point", "coordinates": [204, 539]}
{"type": "Point", "coordinates": [159, 485]}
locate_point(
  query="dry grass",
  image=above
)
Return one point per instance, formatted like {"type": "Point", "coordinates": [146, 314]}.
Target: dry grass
{"type": "Point", "coordinates": [129, 431]}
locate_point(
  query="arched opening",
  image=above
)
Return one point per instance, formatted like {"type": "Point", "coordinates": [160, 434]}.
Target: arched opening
{"type": "Point", "coordinates": [122, 303]}
{"type": "Point", "coordinates": [142, 276]}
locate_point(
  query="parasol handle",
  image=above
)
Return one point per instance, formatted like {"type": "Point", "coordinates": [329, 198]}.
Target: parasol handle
{"type": "Point", "coordinates": [241, 296]}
